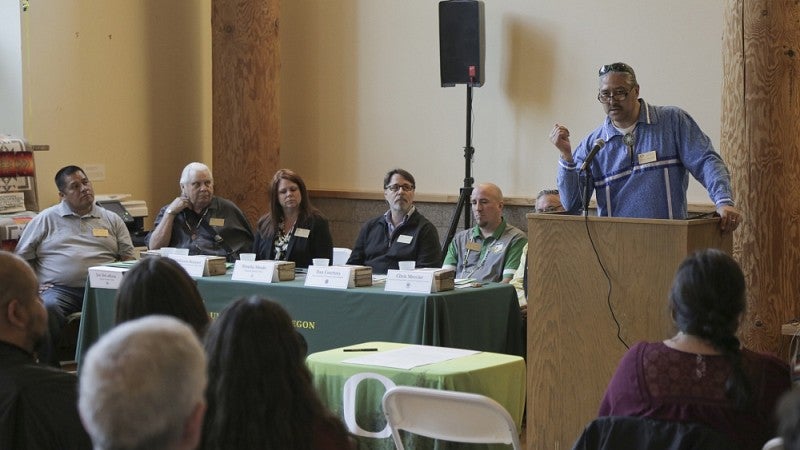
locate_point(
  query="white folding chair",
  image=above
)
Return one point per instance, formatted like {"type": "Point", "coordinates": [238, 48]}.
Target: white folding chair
{"type": "Point", "coordinates": [774, 444]}
{"type": "Point", "coordinates": [448, 415]}
{"type": "Point", "coordinates": [340, 256]}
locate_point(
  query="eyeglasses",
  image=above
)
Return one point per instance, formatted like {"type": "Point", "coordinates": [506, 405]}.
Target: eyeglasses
{"type": "Point", "coordinates": [551, 209]}
{"type": "Point", "coordinates": [397, 187]}
{"type": "Point", "coordinates": [605, 97]}
{"type": "Point", "coordinates": [616, 67]}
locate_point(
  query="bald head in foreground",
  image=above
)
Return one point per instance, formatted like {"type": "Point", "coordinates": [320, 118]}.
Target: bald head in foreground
{"type": "Point", "coordinates": [37, 402]}
{"type": "Point", "coordinates": [142, 386]}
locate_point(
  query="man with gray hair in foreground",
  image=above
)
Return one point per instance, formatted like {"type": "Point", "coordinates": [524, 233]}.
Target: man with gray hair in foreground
{"type": "Point", "coordinates": [142, 386]}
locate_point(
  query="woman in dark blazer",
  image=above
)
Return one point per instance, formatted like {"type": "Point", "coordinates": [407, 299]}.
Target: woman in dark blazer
{"type": "Point", "coordinates": [292, 230]}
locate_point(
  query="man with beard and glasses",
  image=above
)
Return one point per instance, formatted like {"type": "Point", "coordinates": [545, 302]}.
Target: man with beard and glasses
{"type": "Point", "coordinates": [63, 241]}
{"type": "Point", "coordinates": [491, 250]}
{"type": "Point", "coordinates": [200, 221]}
{"type": "Point", "coordinates": [400, 234]}
{"type": "Point", "coordinates": [38, 404]}
{"type": "Point", "coordinates": [643, 169]}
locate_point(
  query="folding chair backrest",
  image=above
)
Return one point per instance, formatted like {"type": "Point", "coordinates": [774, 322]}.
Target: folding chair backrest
{"type": "Point", "coordinates": [448, 415]}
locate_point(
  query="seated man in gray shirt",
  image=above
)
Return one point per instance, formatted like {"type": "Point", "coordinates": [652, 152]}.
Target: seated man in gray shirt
{"type": "Point", "coordinates": [200, 221]}
{"type": "Point", "coordinates": [491, 250]}
{"type": "Point", "coordinates": [64, 240]}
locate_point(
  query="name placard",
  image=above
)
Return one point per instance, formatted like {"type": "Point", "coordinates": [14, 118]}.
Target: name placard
{"type": "Point", "coordinates": [409, 281]}
{"type": "Point", "coordinates": [334, 277]}
{"type": "Point", "coordinates": [195, 265]}
{"type": "Point", "coordinates": [255, 271]}
{"type": "Point", "coordinates": [106, 277]}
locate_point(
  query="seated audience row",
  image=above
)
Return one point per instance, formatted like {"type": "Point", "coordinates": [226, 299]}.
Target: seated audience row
{"type": "Point", "coordinates": [258, 390]}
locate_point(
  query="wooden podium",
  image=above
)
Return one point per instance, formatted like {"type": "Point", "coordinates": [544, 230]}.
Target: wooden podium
{"type": "Point", "coordinates": [573, 348]}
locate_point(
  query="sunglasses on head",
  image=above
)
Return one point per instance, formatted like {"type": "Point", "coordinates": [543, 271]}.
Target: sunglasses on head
{"type": "Point", "coordinates": [616, 67]}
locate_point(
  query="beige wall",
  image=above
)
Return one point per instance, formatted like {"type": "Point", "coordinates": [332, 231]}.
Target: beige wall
{"type": "Point", "coordinates": [127, 84]}
{"type": "Point", "coordinates": [123, 84]}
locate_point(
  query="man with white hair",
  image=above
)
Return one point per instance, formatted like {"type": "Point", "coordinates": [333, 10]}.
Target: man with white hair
{"type": "Point", "coordinates": [200, 221]}
{"type": "Point", "coordinates": [142, 386]}
{"type": "Point", "coordinates": [37, 402]}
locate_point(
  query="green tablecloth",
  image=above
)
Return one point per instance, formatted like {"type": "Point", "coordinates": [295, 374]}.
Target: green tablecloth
{"type": "Point", "coordinates": [485, 318]}
{"type": "Point", "coordinates": [499, 376]}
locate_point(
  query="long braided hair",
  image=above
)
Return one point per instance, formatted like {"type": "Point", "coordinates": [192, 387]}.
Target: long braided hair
{"type": "Point", "coordinates": [707, 300]}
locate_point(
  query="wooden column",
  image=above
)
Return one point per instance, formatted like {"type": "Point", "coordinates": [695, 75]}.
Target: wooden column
{"type": "Point", "coordinates": [246, 107]}
{"type": "Point", "coordinates": [761, 144]}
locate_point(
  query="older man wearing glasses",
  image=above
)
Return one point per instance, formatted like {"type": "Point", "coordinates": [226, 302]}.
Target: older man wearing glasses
{"type": "Point", "coordinates": [643, 169]}
{"type": "Point", "coordinates": [400, 234]}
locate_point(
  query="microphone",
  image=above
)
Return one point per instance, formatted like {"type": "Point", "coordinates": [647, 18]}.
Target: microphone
{"type": "Point", "coordinates": [598, 144]}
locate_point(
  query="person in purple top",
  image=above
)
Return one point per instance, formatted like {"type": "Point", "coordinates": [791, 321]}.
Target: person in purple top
{"type": "Point", "coordinates": [702, 374]}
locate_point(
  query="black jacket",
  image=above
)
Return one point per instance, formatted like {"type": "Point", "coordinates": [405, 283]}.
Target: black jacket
{"type": "Point", "coordinates": [416, 240]}
{"type": "Point", "coordinates": [301, 250]}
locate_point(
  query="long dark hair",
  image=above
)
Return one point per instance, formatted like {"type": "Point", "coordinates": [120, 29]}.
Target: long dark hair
{"type": "Point", "coordinates": [268, 223]}
{"type": "Point", "coordinates": [707, 300]}
{"type": "Point", "coordinates": [159, 285]}
{"type": "Point", "coordinates": [259, 388]}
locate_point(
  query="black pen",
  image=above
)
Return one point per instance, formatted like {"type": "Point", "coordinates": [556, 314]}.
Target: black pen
{"type": "Point", "coordinates": [360, 350]}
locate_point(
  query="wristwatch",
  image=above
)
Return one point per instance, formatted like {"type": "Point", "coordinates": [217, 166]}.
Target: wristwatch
{"type": "Point", "coordinates": [171, 212]}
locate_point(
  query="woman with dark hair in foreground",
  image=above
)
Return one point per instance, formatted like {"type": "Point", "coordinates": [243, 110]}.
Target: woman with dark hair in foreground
{"type": "Point", "coordinates": [260, 393]}
{"type": "Point", "coordinates": [159, 285]}
{"type": "Point", "coordinates": [702, 374]}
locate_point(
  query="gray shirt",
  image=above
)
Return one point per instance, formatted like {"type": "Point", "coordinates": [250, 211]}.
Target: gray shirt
{"type": "Point", "coordinates": [61, 246]}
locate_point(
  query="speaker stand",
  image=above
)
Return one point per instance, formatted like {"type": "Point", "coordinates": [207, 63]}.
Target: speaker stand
{"type": "Point", "coordinates": [466, 191]}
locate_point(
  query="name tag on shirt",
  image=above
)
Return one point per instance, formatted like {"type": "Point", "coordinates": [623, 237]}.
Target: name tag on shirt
{"type": "Point", "coordinates": [647, 157]}
{"type": "Point", "coordinates": [217, 222]}
{"type": "Point", "coordinates": [99, 232]}
{"type": "Point", "coordinates": [473, 246]}
{"type": "Point", "coordinates": [404, 239]}
{"type": "Point", "coordinates": [302, 232]}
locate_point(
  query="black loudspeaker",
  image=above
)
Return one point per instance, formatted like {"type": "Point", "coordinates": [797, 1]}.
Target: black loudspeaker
{"type": "Point", "coordinates": [461, 44]}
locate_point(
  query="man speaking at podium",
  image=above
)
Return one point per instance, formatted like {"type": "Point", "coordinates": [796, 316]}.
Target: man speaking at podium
{"type": "Point", "coordinates": [640, 158]}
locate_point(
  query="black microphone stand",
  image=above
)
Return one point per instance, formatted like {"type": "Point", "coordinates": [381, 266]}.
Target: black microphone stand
{"type": "Point", "coordinates": [587, 189]}
{"type": "Point", "coordinates": [465, 192]}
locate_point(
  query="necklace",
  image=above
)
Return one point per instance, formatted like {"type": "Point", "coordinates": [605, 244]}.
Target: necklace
{"type": "Point", "coordinates": [193, 229]}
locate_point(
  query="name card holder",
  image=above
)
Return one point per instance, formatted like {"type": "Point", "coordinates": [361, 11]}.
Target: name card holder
{"type": "Point", "coordinates": [420, 281]}
{"type": "Point", "coordinates": [106, 277]}
{"type": "Point", "coordinates": [333, 277]}
{"type": "Point", "coordinates": [195, 265]}
{"type": "Point", "coordinates": [255, 271]}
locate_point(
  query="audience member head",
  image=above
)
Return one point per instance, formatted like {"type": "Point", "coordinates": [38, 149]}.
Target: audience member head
{"type": "Point", "coordinates": [788, 413]}
{"type": "Point", "coordinates": [23, 317]}
{"type": "Point", "coordinates": [259, 393]}
{"type": "Point", "coordinates": [141, 386]}
{"type": "Point", "coordinates": [548, 201]}
{"type": "Point", "coordinates": [197, 185]}
{"type": "Point", "coordinates": [707, 301]}
{"type": "Point", "coordinates": [159, 285]}
{"type": "Point", "coordinates": [398, 189]}
{"type": "Point", "coordinates": [487, 206]}
{"type": "Point", "coordinates": [75, 189]}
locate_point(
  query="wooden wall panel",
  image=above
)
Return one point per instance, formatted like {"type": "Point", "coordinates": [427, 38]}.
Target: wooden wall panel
{"type": "Point", "coordinates": [761, 143]}
{"type": "Point", "coordinates": [246, 108]}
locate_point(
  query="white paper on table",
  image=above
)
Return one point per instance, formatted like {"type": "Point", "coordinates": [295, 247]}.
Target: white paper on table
{"type": "Point", "coordinates": [411, 356]}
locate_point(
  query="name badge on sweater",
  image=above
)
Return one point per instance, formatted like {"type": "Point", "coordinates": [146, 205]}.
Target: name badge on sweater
{"type": "Point", "coordinates": [473, 246]}
{"type": "Point", "coordinates": [99, 232]}
{"type": "Point", "coordinates": [302, 232]}
{"type": "Point", "coordinates": [404, 239]}
{"type": "Point", "coordinates": [217, 222]}
{"type": "Point", "coordinates": [647, 157]}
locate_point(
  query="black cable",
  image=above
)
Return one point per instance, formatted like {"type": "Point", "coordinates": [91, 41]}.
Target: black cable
{"type": "Point", "coordinates": [602, 266]}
